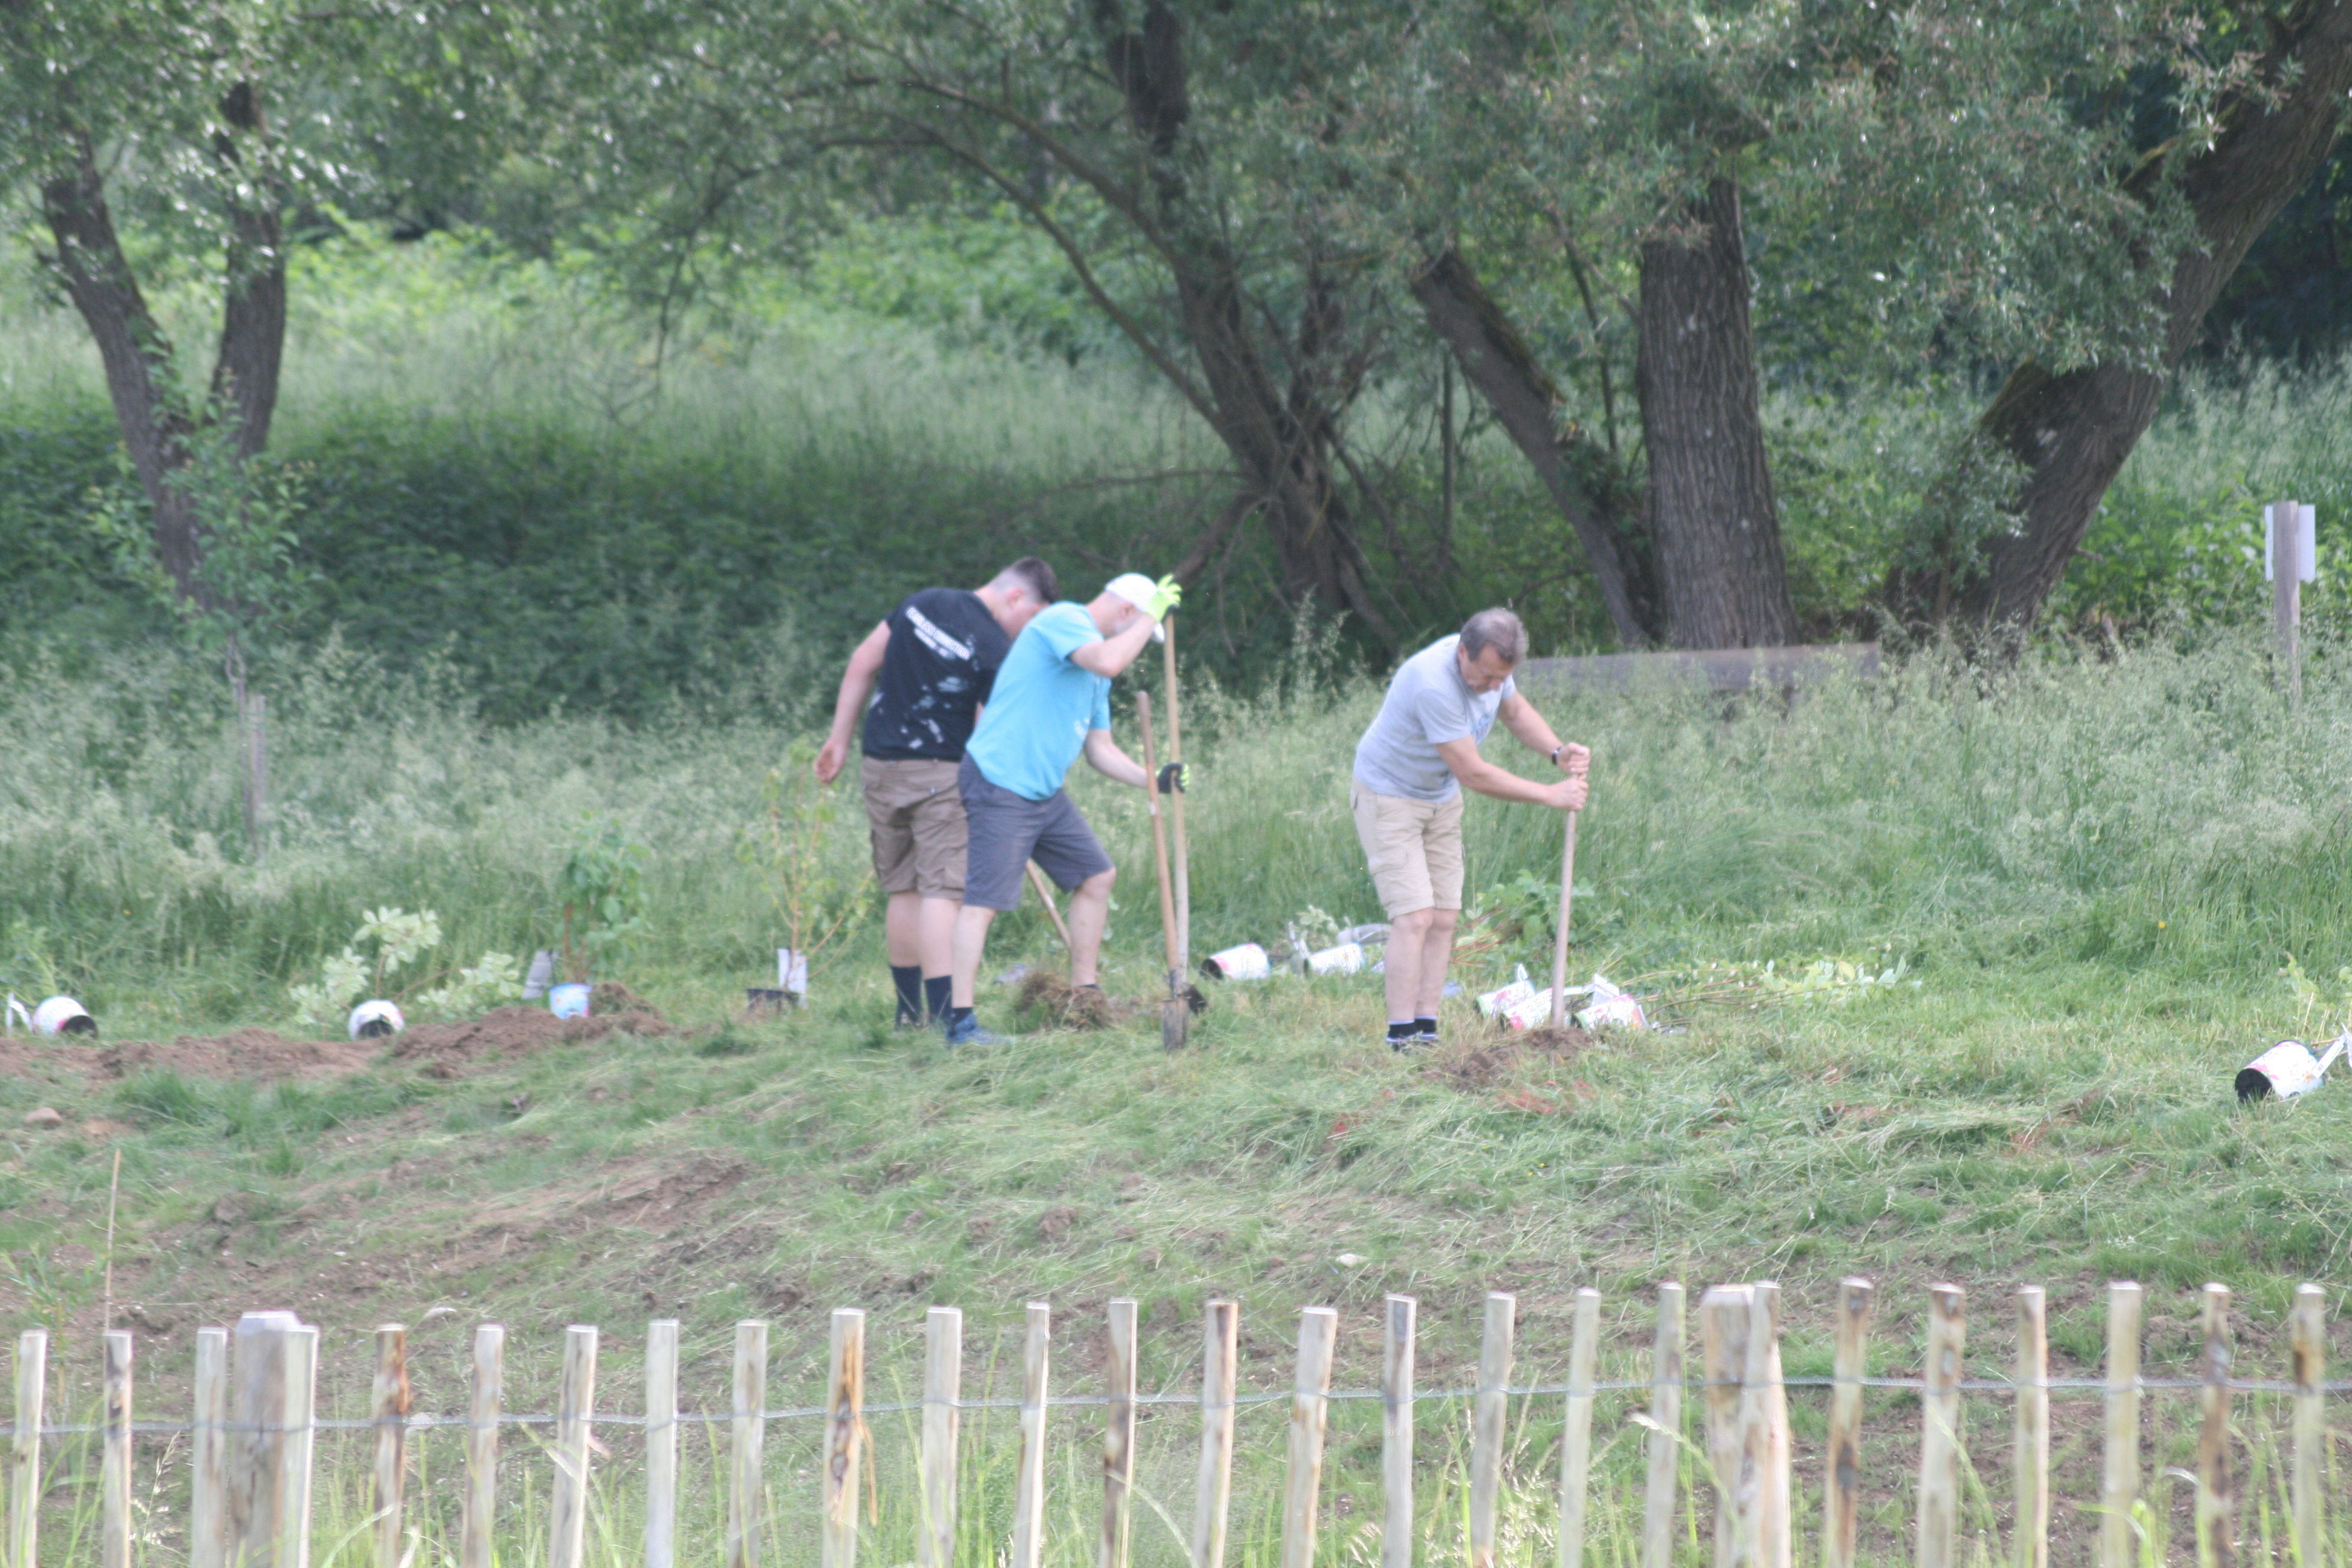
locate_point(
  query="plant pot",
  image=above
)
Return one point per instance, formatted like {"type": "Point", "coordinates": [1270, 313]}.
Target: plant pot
{"type": "Point", "coordinates": [63, 1016]}
{"type": "Point", "coordinates": [376, 1020]}
{"type": "Point", "coordinates": [569, 1000]}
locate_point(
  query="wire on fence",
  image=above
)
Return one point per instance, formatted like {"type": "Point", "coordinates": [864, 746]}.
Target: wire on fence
{"type": "Point", "coordinates": [428, 1423]}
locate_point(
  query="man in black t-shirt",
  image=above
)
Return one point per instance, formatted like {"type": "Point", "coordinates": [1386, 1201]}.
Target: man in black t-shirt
{"type": "Point", "coordinates": [921, 677]}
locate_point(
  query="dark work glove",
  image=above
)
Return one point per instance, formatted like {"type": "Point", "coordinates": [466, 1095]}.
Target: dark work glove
{"type": "Point", "coordinates": [1175, 776]}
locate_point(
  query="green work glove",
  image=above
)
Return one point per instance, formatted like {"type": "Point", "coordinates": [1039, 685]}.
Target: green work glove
{"type": "Point", "coordinates": [1165, 595]}
{"type": "Point", "coordinates": [1175, 776]}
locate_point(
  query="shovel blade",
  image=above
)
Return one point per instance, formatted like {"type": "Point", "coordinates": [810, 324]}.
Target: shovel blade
{"type": "Point", "coordinates": [1175, 1019]}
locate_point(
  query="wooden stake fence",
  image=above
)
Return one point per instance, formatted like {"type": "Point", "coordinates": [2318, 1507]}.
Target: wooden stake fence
{"type": "Point", "coordinates": [255, 1422]}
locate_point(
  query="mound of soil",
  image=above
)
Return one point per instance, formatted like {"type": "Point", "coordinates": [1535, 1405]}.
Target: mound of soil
{"type": "Point", "coordinates": [239, 1054]}
{"type": "Point", "coordinates": [1485, 1066]}
{"type": "Point", "coordinates": [1068, 1007]}
{"type": "Point", "coordinates": [446, 1048]}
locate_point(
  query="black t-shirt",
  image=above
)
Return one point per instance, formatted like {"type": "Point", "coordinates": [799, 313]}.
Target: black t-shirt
{"type": "Point", "coordinates": [940, 665]}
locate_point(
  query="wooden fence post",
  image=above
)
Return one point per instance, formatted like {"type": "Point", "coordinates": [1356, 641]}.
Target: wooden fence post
{"type": "Point", "coordinates": [1842, 1478]}
{"type": "Point", "coordinates": [257, 1463]}
{"type": "Point", "coordinates": [1666, 1430]}
{"type": "Point", "coordinates": [2307, 1329]}
{"type": "Point", "coordinates": [567, 1519]}
{"type": "Point", "coordinates": [391, 1401]}
{"type": "Point", "coordinates": [24, 1462]}
{"type": "Point", "coordinates": [1726, 1319]}
{"type": "Point", "coordinates": [482, 1447]}
{"type": "Point", "coordinates": [942, 1397]}
{"type": "Point", "coordinates": [844, 1425]}
{"type": "Point", "coordinates": [748, 1433]}
{"type": "Point", "coordinates": [114, 1471]}
{"type": "Point", "coordinates": [301, 1431]}
{"type": "Point", "coordinates": [1489, 1414]}
{"type": "Point", "coordinates": [1213, 1494]}
{"type": "Point", "coordinates": [1772, 1394]}
{"type": "Point", "coordinates": [1400, 1321]}
{"type": "Point", "coordinates": [1029, 1478]}
{"type": "Point", "coordinates": [2216, 1538]}
{"type": "Point", "coordinates": [2031, 1459]}
{"type": "Point", "coordinates": [661, 1443]}
{"type": "Point", "coordinates": [208, 1452]}
{"type": "Point", "coordinates": [1319, 1329]}
{"type": "Point", "coordinates": [1939, 1429]}
{"type": "Point", "coordinates": [1747, 1424]}
{"type": "Point", "coordinates": [2119, 1476]}
{"type": "Point", "coordinates": [1576, 1435]}
{"type": "Point", "coordinates": [1118, 1435]}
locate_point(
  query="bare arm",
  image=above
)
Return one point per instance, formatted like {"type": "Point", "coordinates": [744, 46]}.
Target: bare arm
{"type": "Point", "coordinates": [856, 686]}
{"type": "Point", "coordinates": [1114, 654]}
{"type": "Point", "coordinates": [1477, 773]}
{"type": "Point", "coordinates": [1519, 717]}
{"type": "Point", "coordinates": [1105, 757]}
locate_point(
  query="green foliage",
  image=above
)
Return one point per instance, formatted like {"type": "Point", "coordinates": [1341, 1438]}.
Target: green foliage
{"type": "Point", "coordinates": [399, 939]}
{"type": "Point", "coordinates": [601, 890]}
{"type": "Point", "coordinates": [794, 848]}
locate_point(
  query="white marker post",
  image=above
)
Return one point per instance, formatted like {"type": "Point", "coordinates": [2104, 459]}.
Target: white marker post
{"type": "Point", "coordinates": [2290, 559]}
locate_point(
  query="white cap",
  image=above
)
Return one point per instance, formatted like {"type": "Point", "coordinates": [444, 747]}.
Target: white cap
{"type": "Point", "coordinates": [1137, 590]}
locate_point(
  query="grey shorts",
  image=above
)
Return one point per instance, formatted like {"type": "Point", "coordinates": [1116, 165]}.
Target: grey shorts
{"type": "Point", "coordinates": [1007, 831]}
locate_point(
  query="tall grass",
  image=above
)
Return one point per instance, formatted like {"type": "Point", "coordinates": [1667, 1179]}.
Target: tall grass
{"type": "Point", "coordinates": [2160, 810]}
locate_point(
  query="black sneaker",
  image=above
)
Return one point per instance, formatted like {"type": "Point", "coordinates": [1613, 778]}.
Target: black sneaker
{"type": "Point", "coordinates": [1422, 1042]}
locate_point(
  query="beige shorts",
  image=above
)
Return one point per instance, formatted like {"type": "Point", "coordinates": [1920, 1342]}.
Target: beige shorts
{"type": "Point", "coordinates": [1414, 848]}
{"type": "Point", "coordinates": [917, 823]}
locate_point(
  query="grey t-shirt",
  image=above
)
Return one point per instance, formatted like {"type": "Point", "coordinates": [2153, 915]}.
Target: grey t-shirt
{"type": "Point", "coordinates": [1427, 705]}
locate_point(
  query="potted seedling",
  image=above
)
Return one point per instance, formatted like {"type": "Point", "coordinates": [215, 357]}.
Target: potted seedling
{"type": "Point", "coordinates": [366, 979]}
{"type": "Point", "coordinates": [602, 887]}
{"type": "Point", "coordinates": [794, 848]}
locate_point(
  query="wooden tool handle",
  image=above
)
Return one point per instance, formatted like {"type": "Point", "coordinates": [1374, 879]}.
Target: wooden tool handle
{"type": "Point", "coordinates": [1158, 830]}
{"type": "Point", "coordinates": [1560, 937]}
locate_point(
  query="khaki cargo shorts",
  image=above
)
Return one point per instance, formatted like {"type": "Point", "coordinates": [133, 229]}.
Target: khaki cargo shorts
{"type": "Point", "coordinates": [918, 824]}
{"type": "Point", "coordinates": [1414, 848]}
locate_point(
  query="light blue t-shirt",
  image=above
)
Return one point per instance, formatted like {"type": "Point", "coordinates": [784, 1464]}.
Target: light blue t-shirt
{"type": "Point", "coordinates": [1427, 705]}
{"type": "Point", "coordinates": [1042, 707]}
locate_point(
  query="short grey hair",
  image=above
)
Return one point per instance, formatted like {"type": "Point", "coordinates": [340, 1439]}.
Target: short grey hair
{"type": "Point", "coordinates": [1498, 630]}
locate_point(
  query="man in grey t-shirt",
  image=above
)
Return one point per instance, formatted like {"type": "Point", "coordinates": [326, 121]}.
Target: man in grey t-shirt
{"type": "Point", "coordinates": [1406, 797]}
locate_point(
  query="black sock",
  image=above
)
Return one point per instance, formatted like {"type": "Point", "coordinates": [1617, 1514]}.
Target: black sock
{"type": "Point", "coordinates": [1402, 1031]}
{"type": "Point", "coordinates": [909, 979]}
{"type": "Point", "coordinates": [935, 994]}
{"type": "Point", "coordinates": [1425, 1025]}
{"type": "Point", "coordinates": [957, 1015]}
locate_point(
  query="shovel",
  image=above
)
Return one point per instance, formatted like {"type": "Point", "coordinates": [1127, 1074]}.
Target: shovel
{"type": "Point", "coordinates": [1037, 880]}
{"type": "Point", "coordinates": [1180, 869]}
{"type": "Point", "coordinates": [1560, 937]}
{"type": "Point", "coordinates": [1174, 1017]}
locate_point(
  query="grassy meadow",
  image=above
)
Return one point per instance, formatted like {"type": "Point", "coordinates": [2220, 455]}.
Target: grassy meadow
{"type": "Point", "coordinates": [2099, 879]}
{"type": "Point", "coordinates": [2090, 873]}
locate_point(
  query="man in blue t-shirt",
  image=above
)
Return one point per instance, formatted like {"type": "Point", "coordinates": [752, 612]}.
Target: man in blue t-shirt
{"type": "Point", "coordinates": [1052, 700]}
{"type": "Point", "coordinates": [921, 679]}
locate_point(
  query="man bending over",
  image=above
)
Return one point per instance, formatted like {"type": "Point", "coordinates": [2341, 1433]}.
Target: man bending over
{"type": "Point", "coordinates": [1412, 764]}
{"type": "Point", "coordinates": [1051, 701]}
{"type": "Point", "coordinates": [933, 660]}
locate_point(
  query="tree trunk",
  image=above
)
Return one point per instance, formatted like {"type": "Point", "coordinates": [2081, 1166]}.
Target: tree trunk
{"type": "Point", "coordinates": [253, 311]}
{"type": "Point", "coordinates": [1712, 520]}
{"type": "Point", "coordinates": [1576, 472]}
{"type": "Point", "coordinates": [150, 408]}
{"type": "Point", "coordinates": [2073, 430]}
{"type": "Point", "coordinates": [137, 357]}
{"type": "Point", "coordinates": [1282, 441]}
